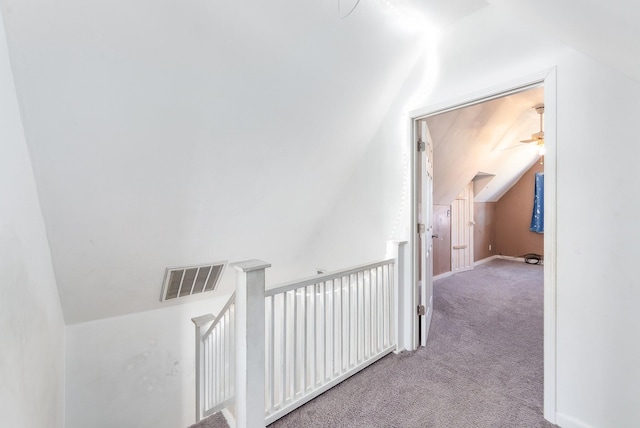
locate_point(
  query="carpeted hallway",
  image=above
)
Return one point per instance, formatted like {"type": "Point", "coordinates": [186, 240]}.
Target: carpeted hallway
{"type": "Point", "coordinates": [482, 366]}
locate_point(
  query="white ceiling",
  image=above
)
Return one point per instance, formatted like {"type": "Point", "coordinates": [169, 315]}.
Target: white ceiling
{"type": "Point", "coordinates": [169, 132]}
{"type": "Point", "coordinates": [484, 139]}
{"type": "Point", "coordinates": [606, 30]}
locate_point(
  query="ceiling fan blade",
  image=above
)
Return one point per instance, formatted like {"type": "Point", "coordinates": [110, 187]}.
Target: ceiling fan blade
{"type": "Point", "coordinates": [538, 137]}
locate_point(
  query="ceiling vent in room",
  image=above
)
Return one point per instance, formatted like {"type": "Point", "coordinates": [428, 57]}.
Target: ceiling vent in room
{"type": "Point", "coordinates": [188, 280]}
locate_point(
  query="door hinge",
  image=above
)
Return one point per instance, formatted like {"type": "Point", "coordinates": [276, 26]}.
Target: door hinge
{"type": "Point", "coordinates": [421, 228]}
{"type": "Point", "coordinates": [422, 146]}
{"type": "Point", "coordinates": [421, 310]}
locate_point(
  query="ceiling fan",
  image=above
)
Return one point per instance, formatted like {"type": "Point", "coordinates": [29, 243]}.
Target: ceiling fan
{"type": "Point", "coordinates": [538, 137]}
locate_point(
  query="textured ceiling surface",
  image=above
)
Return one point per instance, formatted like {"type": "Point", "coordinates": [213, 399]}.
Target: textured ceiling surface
{"type": "Point", "coordinates": [169, 133]}
{"type": "Point", "coordinates": [165, 133]}
{"type": "Point", "coordinates": [605, 30]}
{"type": "Point", "coordinates": [484, 138]}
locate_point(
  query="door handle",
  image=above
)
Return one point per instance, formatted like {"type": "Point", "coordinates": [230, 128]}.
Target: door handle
{"type": "Point", "coordinates": [434, 236]}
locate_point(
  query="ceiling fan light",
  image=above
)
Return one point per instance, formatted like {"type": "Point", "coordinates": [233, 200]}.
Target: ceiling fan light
{"type": "Point", "coordinates": [541, 149]}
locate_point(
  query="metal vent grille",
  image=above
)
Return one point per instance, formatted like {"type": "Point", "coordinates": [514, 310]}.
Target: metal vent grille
{"type": "Point", "coordinates": [188, 280]}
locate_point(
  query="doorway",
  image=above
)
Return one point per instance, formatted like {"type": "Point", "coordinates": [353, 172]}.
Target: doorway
{"type": "Point", "coordinates": [548, 80]}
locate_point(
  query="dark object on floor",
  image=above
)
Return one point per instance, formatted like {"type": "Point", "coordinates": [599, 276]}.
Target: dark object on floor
{"type": "Point", "coordinates": [533, 259]}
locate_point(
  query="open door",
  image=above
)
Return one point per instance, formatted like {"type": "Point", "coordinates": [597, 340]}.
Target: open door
{"type": "Point", "coordinates": [424, 206]}
{"type": "Point", "coordinates": [548, 78]}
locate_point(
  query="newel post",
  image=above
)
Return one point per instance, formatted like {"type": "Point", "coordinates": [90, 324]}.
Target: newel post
{"type": "Point", "coordinates": [250, 337]}
{"type": "Point", "coordinates": [402, 284]}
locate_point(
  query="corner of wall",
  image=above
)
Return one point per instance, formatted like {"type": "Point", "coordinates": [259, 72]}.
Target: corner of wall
{"type": "Point", "coordinates": [30, 310]}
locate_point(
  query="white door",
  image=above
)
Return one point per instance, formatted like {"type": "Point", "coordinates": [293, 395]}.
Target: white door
{"type": "Point", "coordinates": [462, 231]}
{"type": "Point", "coordinates": [424, 183]}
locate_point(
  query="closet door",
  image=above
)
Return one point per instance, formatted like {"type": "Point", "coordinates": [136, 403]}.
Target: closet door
{"type": "Point", "coordinates": [462, 231]}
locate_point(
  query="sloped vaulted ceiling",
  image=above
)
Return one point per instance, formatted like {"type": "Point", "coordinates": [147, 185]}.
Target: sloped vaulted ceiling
{"type": "Point", "coordinates": [484, 139]}
{"type": "Point", "coordinates": [606, 30]}
{"type": "Point", "coordinates": [175, 132]}
{"type": "Point", "coordinates": [166, 133]}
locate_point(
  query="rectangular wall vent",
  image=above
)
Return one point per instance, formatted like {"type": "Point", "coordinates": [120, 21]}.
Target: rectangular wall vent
{"type": "Point", "coordinates": [188, 280]}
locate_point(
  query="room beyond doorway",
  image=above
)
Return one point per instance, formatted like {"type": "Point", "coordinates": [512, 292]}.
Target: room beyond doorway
{"type": "Point", "coordinates": [547, 79]}
{"type": "Point", "coordinates": [484, 181]}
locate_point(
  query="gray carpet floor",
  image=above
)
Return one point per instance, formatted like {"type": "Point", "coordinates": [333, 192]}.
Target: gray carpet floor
{"type": "Point", "coordinates": [482, 366]}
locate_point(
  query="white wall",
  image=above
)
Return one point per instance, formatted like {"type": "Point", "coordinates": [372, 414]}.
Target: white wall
{"type": "Point", "coordinates": [31, 323]}
{"type": "Point", "coordinates": [598, 348]}
{"type": "Point", "coordinates": [167, 133]}
{"type": "Point", "coordinates": [123, 370]}
{"type": "Point", "coordinates": [374, 204]}
{"type": "Point", "coordinates": [134, 371]}
{"type": "Point", "coordinates": [598, 379]}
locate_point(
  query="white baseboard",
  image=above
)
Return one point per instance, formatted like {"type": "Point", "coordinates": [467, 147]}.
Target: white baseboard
{"type": "Point", "coordinates": [565, 421]}
{"type": "Point", "coordinates": [517, 259]}
{"type": "Point", "coordinates": [442, 275]}
{"type": "Point", "coordinates": [513, 259]}
{"type": "Point", "coordinates": [488, 259]}
{"type": "Point", "coordinates": [480, 262]}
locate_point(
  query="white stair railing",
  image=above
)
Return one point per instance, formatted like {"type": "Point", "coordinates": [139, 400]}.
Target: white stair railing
{"type": "Point", "coordinates": [277, 349]}
{"type": "Point", "coordinates": [323, 329]}
{"type": "Point", "coordinates": [215, 360]}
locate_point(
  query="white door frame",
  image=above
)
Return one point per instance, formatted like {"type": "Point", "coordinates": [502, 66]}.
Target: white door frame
{"type": "Point", "coordinates": [548, 79]}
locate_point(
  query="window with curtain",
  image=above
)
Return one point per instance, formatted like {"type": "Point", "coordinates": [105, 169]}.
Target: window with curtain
{"type": "Point", "coordinates": [537, 217]}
